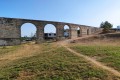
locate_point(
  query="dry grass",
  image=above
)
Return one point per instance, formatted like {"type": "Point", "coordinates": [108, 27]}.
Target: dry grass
{"type": "Point", "coordinates": [105, 50]}
{"type": "Point", "coordinates": [49, 61]}
{"type": "Point", "coordinates": [24, 51]}
{"type": "Point", "coordinates": [97, 41]}
{"type": "Point", "coordinates": [25, 75]}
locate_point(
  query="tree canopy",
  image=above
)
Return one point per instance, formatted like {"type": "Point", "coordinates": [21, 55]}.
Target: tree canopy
{"type": "Point", "coordinates": [106, 26]}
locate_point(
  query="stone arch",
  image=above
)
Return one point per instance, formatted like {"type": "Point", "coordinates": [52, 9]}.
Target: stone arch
{"type": "Point", "coordinates": [88, 31]}
{"type": "Point", "coordinates": [30, 33]}
{"type": "Point", "coordinates": [67, 31]}
{"type": "Point", "coordinates": [50, 31]}
{"type": "Point", "coordinates": [79, 31]}
{"type": "Point", "coordinates": [10, 30]}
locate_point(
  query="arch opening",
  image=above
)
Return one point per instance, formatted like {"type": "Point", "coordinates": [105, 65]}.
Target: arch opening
{"type": "Point", "coordinates": [28, 33]}
{"type": "Point", "coordinates": [78, 32]}
{"type": "Point", "coordinates": [66, 31]}
{"type": "Point", "coordinates": [50, 32]}
{"type": "Point", "coordinates": [87, 31]}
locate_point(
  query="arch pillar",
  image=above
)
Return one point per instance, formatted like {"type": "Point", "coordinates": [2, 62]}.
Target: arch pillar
{"type": "Point", "coordinates": [74, 32]}
{"type": "Point", "coordinates": [80, 32]}
{"type": "Point", "coordinates": [84, 31]}
{"type": "Point", "coordinates": [69, 32]}
{"type": "Point", "coordinates": [40, 33]}
{"type": "Point", "coordinates": [89, 31]}
{"type": "Point", "coordinates": [60, 31]}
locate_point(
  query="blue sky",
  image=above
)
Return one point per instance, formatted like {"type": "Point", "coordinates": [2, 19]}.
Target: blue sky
{"type": "Point", "coordinates": [85, 12]}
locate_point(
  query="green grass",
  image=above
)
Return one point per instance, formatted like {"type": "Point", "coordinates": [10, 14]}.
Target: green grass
{"type": "Point", "coordinates": [110, 55]}
{"type": "Point", "coordinates": [57, 64]}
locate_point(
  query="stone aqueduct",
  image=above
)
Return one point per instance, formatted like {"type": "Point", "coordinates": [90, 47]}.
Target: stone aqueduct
{"type": "Point", "coordinates": [10, 30]}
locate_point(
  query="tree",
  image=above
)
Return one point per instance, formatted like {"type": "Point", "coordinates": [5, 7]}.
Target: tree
{"type": "Point", "coordinates": [106, 26]}
{"type": "Point", "coordinates": [23, 38]}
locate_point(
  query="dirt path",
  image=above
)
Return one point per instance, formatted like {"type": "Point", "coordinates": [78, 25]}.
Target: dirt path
{"type": "Point", "coordinates": [92, 61]}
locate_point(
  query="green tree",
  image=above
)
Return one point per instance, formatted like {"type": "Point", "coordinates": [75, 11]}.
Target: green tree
{"type": "Point", "coordinates": [106, 26]}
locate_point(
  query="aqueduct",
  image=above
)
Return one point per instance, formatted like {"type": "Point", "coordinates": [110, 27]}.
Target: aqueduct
{"type": "Point", "coordinates": [10, 30]}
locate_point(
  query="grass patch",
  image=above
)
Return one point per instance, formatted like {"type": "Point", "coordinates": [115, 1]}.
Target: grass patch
{"type": "Point", "coordinates": [110, 55]}
{"type": "Point", "coordinates": [53, 64]}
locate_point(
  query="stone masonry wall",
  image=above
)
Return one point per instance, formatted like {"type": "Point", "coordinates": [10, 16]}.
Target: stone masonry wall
{"type": "Point", "coordinates": [10, 30]}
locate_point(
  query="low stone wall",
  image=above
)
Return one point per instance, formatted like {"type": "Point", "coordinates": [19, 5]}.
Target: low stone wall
{"type": "Point", "coordinates": [9, 42]}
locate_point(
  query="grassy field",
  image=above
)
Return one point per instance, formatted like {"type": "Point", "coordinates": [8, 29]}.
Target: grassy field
{"type": "Point", "coordinates": [50, 62]}
{"type": "Point", "coordinates": [7, 49]}
{"type": "Point", "coordinates": [105, 51]}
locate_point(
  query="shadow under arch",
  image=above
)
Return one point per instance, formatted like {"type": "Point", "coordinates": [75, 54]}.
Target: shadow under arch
{"type": "Point", "coordinates": [88, 31]}
{"type": "Point", "coordinates": [79, 31]}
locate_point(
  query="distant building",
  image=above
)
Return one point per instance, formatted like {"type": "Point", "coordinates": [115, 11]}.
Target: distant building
{"type": "Point", "coordinates": [49, 35]}
{"type": "Point", "coordinates": [115, 29]}
{"type": "Point", "coordinates": [118, 27]}
{"type": "Point", "coordinates": [66, 33]}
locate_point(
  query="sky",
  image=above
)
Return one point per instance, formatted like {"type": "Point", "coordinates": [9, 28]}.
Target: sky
{"type": "Point", "coordinates": [84, 12]}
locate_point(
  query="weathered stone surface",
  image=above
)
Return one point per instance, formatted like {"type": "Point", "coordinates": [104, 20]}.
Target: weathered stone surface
{"type": "Point", "coordinates": [10, 30]}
